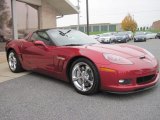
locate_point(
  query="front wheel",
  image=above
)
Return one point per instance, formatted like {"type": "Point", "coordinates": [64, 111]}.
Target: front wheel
{"type": "Point", "coordinates": [84, 76]}
{"type": "Point", "coordinates": [13, 62]}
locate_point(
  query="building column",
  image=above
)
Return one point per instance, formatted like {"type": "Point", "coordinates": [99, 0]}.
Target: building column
{"type": "Point", "coordinates": [14, 19]}
{"type": "Point", "coordinates": [46, 16]}
{"type": "Point", "coordinates": [39, 17]}
{"type": "Point", "coordinates": [100, 28]}
{"type": "Point", "coordinates": [108, 28]}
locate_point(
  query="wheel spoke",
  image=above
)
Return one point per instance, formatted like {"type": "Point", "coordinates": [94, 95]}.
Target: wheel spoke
{"type": "Point", "coordinates": [76, 78]}
{"type": "Point", "coordinates": [83, 87]}
{"type": "Point", "coordinates": [14, 66]}
{"type": "Point", "coordinates": [86, 70]}
{"type": "Point", "coordinates": [78, 69]}
{"type": "Point", "coordinates": [89, 81]}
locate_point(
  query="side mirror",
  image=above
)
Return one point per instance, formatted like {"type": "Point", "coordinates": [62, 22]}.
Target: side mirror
{"type": "Point", "coordinates": [40, 43]}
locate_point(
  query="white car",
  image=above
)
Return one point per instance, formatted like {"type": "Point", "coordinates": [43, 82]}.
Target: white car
{"type": "Point", "coordinates": [106, 38]}
{"type": "Point", "coordinates": [94, 36]}
{"type": "Point", "coordinates": [150, 35]}
{"type": "Point", "coordinates": [129, 33]}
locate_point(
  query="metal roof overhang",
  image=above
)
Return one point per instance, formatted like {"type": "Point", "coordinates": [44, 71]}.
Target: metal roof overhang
{"type": "Point", "coordinates": [63, 7]}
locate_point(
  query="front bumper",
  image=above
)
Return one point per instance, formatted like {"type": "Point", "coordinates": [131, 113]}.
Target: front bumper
{"type": "Point", "coordinates": [109, 80]}
{"type": "Point", "coordinates": [133, 88]}
{"type": "Point", "coordinates": [134, 91]}
{"type": "Point", "coordinates": [139, 39]}
{"type": "Point", "coordinates": [121, 40]}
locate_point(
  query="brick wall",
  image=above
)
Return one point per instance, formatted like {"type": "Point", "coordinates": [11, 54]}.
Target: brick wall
{"type": "Point", "coordinates": [156, 25]}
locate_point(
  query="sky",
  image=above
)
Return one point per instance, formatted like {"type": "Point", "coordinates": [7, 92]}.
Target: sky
{"type": "Point", "coordinates": [114, 11]}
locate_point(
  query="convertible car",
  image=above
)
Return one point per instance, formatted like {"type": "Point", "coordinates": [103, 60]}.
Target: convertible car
{"type": "Point", "coordinates": [90, 66]}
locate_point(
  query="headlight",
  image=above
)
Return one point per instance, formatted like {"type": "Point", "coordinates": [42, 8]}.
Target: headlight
{"type": "Point", "coordinates": [150, 54]}
{"type": "Point", "coordinates": [117, 59]}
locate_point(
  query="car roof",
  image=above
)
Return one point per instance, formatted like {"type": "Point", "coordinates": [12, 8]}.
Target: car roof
{"type": "Point", "coordinates": [43, 30]}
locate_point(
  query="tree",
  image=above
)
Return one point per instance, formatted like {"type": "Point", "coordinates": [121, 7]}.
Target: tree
{"type": "Point", "coordinates": [129, 24]}
{"type": "Point", "coordinates": [4, 14]}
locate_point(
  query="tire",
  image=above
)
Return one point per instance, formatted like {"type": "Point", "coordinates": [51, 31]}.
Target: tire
{"type": "Point", "coordinates": [156, 37]}
{"type": "Point", "coordinates": [84, 76]}
{"type": "Point", "coordinates": [13, 62]}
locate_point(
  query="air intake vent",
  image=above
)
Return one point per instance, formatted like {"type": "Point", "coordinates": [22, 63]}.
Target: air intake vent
{"type": "Point", "coordinates": [144, 79]}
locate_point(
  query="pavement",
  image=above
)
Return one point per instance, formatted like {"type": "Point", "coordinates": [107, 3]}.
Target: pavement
{"type": "Point", "coordinates": [5, 73]}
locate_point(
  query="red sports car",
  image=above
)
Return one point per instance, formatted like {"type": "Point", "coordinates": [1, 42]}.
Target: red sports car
{"type": "Point", "coordinates": [73, 56]}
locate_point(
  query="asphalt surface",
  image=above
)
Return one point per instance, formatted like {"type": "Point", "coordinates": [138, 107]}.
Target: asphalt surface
{"type": "Point", "coordinates": [38, 97]}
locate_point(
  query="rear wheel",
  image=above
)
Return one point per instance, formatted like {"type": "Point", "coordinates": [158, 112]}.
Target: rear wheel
{"type": "Point", "coordinates": [13, 62]}
{"type": "Point", "coordinates": [84, 76]}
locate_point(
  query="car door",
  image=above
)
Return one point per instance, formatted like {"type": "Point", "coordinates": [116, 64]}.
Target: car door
{"type": "Point", "coordinates": [38, 57]}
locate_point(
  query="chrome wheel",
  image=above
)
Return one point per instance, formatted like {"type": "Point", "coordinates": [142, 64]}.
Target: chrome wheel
{"type": "Point", "coordinates": [12, 61]}
{"type": "Point", "coordinates": [82, 76]}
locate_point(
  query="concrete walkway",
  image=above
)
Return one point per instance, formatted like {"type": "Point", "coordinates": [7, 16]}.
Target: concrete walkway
{"type": "Point", "coordinates": [5, 73]}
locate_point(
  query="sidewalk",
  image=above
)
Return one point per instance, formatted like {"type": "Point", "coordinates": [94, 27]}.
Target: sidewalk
{"type": "Point", "coordinates": [5, 73]}
{"type": "Point", "coordinates": [3, 57]}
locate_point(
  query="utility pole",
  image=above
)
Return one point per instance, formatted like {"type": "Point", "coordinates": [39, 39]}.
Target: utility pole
{"type": "Point", "coordinates": [78, 16]}
{"type": "Point", "coordinates": [87, 14]}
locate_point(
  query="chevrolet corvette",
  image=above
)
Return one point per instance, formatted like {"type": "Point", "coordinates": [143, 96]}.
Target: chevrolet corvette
{"type": "Point", "coordinates": [90, 66]}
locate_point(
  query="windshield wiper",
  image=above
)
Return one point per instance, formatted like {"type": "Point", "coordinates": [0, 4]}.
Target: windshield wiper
{"type": "Point", "coordinates": [73, 45]}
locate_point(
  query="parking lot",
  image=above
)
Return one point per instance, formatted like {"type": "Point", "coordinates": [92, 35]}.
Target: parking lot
{"type": "Point", "coordinates": [38, 97]}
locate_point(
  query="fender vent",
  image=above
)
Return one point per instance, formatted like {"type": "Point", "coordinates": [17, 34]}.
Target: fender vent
{"type": "Point", "coordinates": [142, 57]}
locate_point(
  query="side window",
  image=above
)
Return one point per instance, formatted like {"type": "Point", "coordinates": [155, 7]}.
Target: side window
{"type": "Point", "coordinates": [42, 36]}
{"type": "Point", "coordinates": [34, 37]}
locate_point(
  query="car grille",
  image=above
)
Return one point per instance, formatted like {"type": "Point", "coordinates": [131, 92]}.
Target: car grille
{"type": "Point", "coordinates": [144, 79]}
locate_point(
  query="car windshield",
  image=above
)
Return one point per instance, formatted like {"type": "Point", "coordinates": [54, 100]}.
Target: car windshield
{"type": "Point", "coordinates": [64, 37]}
{"type": "Point", "coordinates": [120, 34]}
{"type": "Point", "coordinates": [140, 33]}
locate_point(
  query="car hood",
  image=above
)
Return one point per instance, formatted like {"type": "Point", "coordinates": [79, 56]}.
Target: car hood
{"type": "Point", "coordinates": [123, 50]}
{"type": "Point", "coordinates": [119, 37]}
{"type": "Point", "coordinates": [108, 37]}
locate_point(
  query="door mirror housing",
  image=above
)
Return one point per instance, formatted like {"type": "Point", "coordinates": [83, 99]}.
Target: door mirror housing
{"type": "Point", "coordinates": [40, 43]}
